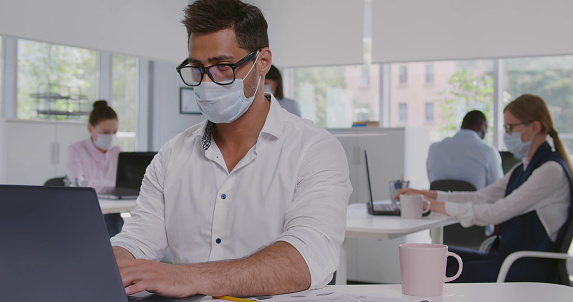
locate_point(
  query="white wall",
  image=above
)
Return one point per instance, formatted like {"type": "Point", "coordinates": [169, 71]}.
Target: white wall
{"type": "Point", "coordinates": [165, 117]}
{"type": "Point", "coordinates": [143, 28]}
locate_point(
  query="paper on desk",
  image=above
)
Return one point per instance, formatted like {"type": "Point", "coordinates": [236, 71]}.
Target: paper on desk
{"type": "Point", "coordinates": [328, 295]}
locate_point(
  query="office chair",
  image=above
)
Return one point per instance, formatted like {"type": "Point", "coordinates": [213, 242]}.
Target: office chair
{"type": "Point", "coordinates": [55, 182]}
{"type": "Point", "coordinates": [560, 254]}
{"type": "Point", "coordinates": [507, 161]}
{"type": "Point", "coordinates": [333, 281]}
{"type": "Point", "coordinates": [455, 234]}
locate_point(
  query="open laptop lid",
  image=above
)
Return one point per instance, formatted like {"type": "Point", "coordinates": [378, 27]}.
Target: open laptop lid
{"type": "Point", "coordinates": [390, 210]}
{"type": "Point", "coordinates": [131, 168]}
{"type": "Point", "coordinates": [55, 246]}
{"type": "Point", "coordinates": [368, 181]}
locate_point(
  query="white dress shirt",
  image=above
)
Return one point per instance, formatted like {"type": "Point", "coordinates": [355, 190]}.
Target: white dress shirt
{"type": "Point", "coordinates": [464, 157]}
{"type": "Point", "coordinates": [545, 191]}
{"type": "Point", "coordinates": [292, 186]}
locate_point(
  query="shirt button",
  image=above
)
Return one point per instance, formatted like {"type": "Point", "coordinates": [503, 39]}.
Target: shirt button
{"type": "Point", "coordinates": [223, 196]}
{"type": "Point", "coordinates": [218, 240]}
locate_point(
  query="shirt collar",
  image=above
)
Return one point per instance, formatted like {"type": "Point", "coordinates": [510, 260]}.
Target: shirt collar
{"type": "Point", "coordinates": [275, 118]}
{"type": "Point", "coordinates": [468, 133]}
{"type": "Point", "coordinates": [273, 124]}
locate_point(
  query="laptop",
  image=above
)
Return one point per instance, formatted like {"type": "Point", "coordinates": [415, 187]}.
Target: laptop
{"type": "Point", "coordinates": [380, 208]}
{"type": "Point", "coordinates": [131, 168]}
{"type": "Point", "coordinates": [55, 247]}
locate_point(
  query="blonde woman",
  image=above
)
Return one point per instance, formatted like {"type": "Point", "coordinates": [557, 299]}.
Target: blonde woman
{"type": "Point", "coordinates": [531, 203]}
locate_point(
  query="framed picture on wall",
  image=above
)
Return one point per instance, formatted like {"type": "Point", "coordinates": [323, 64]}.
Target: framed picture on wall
{"type": "Point", "coordinates": [188, 101]}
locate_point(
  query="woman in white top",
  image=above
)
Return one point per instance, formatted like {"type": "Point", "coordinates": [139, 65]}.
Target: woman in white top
{"type": "Point", "coordinates": [531, 203]}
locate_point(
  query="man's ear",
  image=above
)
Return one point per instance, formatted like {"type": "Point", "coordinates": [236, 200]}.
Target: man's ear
{"type": "Point", "coordinates": [265, 61]}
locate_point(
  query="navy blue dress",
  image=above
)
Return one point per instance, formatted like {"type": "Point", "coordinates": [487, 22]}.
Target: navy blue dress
{"type": "Point", "coordinates": [524, 232]}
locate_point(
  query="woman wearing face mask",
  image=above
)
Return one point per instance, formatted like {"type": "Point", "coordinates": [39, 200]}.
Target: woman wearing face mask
{"type": "Point", "coordinates": [94, 160]}
{"type": "Point", "coordinates": [531, 203]}
{"type": "Point", "coordinates": [274, 85]}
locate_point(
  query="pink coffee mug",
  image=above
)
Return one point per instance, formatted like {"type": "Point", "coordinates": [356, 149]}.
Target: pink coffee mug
{"type": "Point", "coordinates": [423, 268]}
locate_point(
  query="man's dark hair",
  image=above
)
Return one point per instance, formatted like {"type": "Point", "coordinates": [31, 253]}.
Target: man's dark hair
{"type": "Point", "coordinates": [209, 16]}
{"type": "Point", "coordinates": [275, 75]}
{"type": "Point", "coordinates": [473, 120]}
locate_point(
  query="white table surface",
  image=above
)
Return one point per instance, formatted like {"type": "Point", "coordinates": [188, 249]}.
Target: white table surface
{"type": "Point", "coordinates": [110, 206]}
{"type": "Point", "coordinates": [360, 224]}
{"type": "Point", "coordinates": [474, 292]}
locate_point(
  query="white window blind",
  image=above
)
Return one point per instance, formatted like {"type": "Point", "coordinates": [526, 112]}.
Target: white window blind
{"type": "Point", "coordinates": [421, 30]}
{"type": "Point", "coordinates": [142, 28]}
{"type": "Point", "coordinates": [314, 32]}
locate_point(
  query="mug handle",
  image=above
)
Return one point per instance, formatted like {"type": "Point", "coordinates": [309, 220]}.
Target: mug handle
{"type": "Point", "coordinates": [461, 266]}
{"type": "Point", "coordinates": [424, 211]}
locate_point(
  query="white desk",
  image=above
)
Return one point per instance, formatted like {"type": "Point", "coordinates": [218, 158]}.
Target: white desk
{"type": "Point", "coordinates": [360, 224]}
{"type": "Point", "coordinates": [110, 206]}
{"type": "Point", "coordinates": [474, 292]}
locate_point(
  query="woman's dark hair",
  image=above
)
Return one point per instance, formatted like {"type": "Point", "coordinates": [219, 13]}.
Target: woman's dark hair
{"type": "Point", "coordinates": [275, 75]}
{"type": "Point", "coordinates": [101, 112]}
{"type": "Point", "coordinates": [209, 16]}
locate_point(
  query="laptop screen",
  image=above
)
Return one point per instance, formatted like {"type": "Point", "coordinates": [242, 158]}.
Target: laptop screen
{"type": "Point", "coordinates": [55, 246]}
{"type": "Point", "coordinates": [131, 168]}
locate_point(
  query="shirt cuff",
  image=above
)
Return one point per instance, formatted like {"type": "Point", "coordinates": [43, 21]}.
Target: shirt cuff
{"type": "Point", "coordinates": [132, 248]}
{"type": "Point", "coordinates": [321, 266]}
{"type": "Point", "coordinates": [463, 212]}
{"type": "Point", "coordinates": [442, 196]}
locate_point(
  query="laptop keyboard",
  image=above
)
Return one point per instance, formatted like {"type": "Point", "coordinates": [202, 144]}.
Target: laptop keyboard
{"type": "Point", "coordinates": [386, 207]}
{"type": "Point", "coordinates": [156, 298]}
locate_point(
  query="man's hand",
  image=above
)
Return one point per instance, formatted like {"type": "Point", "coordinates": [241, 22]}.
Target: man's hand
{"type": "Point", "coordinates": [164, 279]}
{"type": "Point", "coordinates": [277, 269]}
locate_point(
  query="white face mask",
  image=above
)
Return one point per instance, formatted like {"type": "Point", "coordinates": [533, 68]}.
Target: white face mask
{"type": "Point", "coordinates": [105, 141]}
{"type": "Point", "coordinates": [515, 145]}
{"type": "Point", "coordinates": [224, 103]}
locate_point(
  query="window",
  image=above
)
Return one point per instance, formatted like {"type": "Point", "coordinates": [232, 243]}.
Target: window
{"type": "Point", "coordinates": [430, 73]}
{"type": "Point", "coordinates": [124, 99]}
{"type": "Point", "coordinates": [403, 74]}
{"type": "Point", "coordinates": [54, 81]}
{"type": "Point", "coordinates": [403, 112]}
{"type": "Point", "coordinates": [335, 97]}
{"type": "Point", "coordinates": [550, 78]}
{"type": "Point", "coordinates": [459, 87]}
{"type": "Point", "coordinates": [429, 112]}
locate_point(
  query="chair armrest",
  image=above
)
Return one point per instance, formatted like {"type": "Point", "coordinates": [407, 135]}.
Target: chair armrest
{"type": "Point", "coordinates": [525, 254]}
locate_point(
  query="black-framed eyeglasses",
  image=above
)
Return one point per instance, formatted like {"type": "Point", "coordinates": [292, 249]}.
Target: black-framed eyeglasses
{"type": "Point", "coordinates": [509, 127]}
{"type": "Point", "coordinates": [222, 74]}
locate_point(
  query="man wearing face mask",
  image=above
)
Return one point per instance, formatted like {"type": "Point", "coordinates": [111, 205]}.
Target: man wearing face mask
{"type": "Point", "coordinates": [531, 203]}
{"type": "Point", "coordinates": [250, 202]}
{"type": "Point", "coordinates": [93, 162]}
{"type": "Point", "coordinates": [465, 156]}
